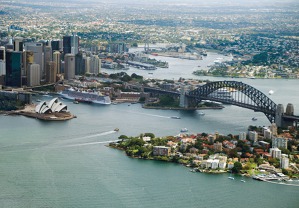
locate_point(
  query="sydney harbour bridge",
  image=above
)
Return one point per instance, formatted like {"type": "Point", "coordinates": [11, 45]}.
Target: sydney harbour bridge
{"type": "Point", "coordinates": [234, 93]}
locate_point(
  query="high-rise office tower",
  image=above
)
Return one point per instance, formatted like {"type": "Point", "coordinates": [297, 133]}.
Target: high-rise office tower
{"type": "Point", "coordinates": [80, 64]}
{"type": "Point", "coordinates": [33, 78]}
{"type": "Point", "coordinates": [95, 64]}
{"type": "Point", "coordinates": [71, 44]}
{"type": "Point", "coordinates": [69, 66]}
{"type": "Point", "coordinates": [13, 75]}
{"type": "Point", "coordinates": [48, 55]}
{"type": "Point", "coordinates": [51, 72]}
{"type": "Point", "coordinates": [18, 44]}
{"type": "Point", "coordinates": [55, 45]}
{"type": "Point", "coordinates": [38, 53]}
{"type": "Point", "coordinates": [2, 61]}
{"type": "Point", "coordinates": [57, 60]}
{"type": "Point", "coordinates": [75, 44]}
{"type": "Point", "coordinates": [87, 65]}
{"type": "Point", "coordinates": [28, 58]}
{"type": "Point", "coordinates": [67, 44]}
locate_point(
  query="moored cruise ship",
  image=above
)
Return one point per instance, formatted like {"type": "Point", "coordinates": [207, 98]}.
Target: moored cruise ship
{"type": "Point", "coordinates": [85, 96]}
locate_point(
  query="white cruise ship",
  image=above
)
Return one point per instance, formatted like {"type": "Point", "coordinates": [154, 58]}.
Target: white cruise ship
{"type": "Point", "coordinates": [85, 96]}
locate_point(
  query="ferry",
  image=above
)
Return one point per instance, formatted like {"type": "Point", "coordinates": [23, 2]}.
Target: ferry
{"type": "Point", "coordinates": [87, 96]}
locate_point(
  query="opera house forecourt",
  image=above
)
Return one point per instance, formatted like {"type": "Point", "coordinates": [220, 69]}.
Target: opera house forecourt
{"type": "Point", "coordinates": [54, 110]}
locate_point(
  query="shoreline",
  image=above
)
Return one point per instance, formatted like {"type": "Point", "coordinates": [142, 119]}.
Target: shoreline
{"type": "Point", "coordinates": [180, 108]}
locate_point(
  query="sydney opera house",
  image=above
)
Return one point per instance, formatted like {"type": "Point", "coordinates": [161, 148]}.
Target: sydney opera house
{"type": "Point", "coordinates": [54, 106]}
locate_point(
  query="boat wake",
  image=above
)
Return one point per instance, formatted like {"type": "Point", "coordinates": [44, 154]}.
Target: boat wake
{"type": "Point", "coordinates": [90, 143]}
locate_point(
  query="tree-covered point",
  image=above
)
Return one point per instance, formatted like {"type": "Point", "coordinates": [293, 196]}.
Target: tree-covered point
{"type": "Point", "coordinates": [166, 101]}
{"type": "Point", "coordinates": [9, 104]}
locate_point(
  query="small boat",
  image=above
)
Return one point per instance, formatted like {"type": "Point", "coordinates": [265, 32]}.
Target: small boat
{"type": "Point", "coordinates": [201, 113]}
{"type": "Point", "coordinates": [175, 117]}
{"type": "Point", "coordinates": [184, 130]}
{"type": "Point", "coordinates": [38, 100]}
{"type": "Point", "coordinates": [76, 102]}
{"type": "Point", "coordinates": [192, 170]}
{"type": "Point", "coordinates": [116, 129]}
{"type": "Point", "coordinates": [243, 181]}
{"type": "Point", "coordinates": [271, 92]}
{"type": "Point", "coordinates": [232, 178]}
{"type": "Point", "coordinates": [254, 119]}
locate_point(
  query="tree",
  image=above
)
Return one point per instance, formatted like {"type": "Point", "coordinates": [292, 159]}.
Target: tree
{"type": "Point", "coordinates": [151, 135]}
{"type": "Point", "coordinates": [237, 167]}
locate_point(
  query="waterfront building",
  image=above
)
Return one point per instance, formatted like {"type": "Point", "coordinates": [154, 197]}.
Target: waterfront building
{"type": "Point", "coordinates": [69, 66]}
{"type": "Point", "coordinates": [284, 161]}
{"type": "Point", "coordinates": [275, 152]}
{"type": "Point", "coordinates": [33, 76]}
{"type": "Point", "coordinates": [18, 44]}
{"type": "Point", "coordinates": [222, 164]}
{"type": "Point", "coordinates": [13, 76]}
{"type": "Point", "coordinates": [242, 136]}
{"type": "Point", "coordinates": [215, 164]}
{"type": "Point", "coordinates": [280, 142]}
{"type": "Point", "coordinates": [211, 138]}
{"type": "Point", "coordinates": [57, 60]}
{"type": "Point", "coordinates": [53, 106]}
{"type": "Point", "coordinates": [230, 165]}
{"type": "Point", "coordinates": [38, 53]}
{"type": "Point", "coordinates": [2, 61]}
{"type": "Point", "coordinates": [253, 136]}
{"type": "Point", "coordinates": [146, 139]}
{"type": "Point", "coordinates": [267, 134]}
{"type": "Point", "coordinates": [217, 147]}
{"type": "Point", "coordinates": [51, 72]}
{"type": "Point", "coordinates": [161, 151]}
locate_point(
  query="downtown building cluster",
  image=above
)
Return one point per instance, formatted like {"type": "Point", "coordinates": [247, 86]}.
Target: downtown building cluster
{"type": "Point", "coordinates": [24, 63]}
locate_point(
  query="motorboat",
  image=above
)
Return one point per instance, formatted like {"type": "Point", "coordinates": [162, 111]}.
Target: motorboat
{"type": "Point", "coordinates": [243, 181]}
{"type": "Point", "coordinates": [254, 119]}
{"type": "Point", "coordinates": [271, 92]}
{"type": "Point", "coordinates": [232, 178]}
{"type": "Point", "coordinates": [116, 129]}
{"type": "Point", "coordinates": [184, 130]}
{"type": "Point", "coordinates": [175, 117]}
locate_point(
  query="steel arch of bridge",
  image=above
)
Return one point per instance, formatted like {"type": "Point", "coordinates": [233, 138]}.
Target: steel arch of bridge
{"type": "Point", "coordinates": [258, 100]}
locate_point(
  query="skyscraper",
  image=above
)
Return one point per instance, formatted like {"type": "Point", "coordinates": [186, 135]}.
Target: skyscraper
{"type": "Point", "coordinates": [18, 44]}
{"type": "Point", "coordinates": [2, 61]}
{"type": "Point", "coordinates": [69, 66]}
{"type": "Point", "coordinates": [28, 58]}
{"type": "Point", "coordinates": [57, 60]}
{"type": "Point", "coordinates": [13, 69]}
{"type": "Point", "coordinates": [55, 44]}
{"type": "Point", "coordinates": [71, 44]}
{"type": "Point", "coordinates": [67, 47]}
{"type": "Point", "coordinates": [38, 53]}
{"type": "Point", "coordinates": [48, 55]}
{"type": "Point", "coordinates": [33, 78]}
{"type": "Point", "coordinates": [51, 72]}
{"type": "Point", "coordinates": [80, 64]}
{"type": "Point", "coordinates": [75, 44]}
{"type": "Point", "coordinates": [95, 64]}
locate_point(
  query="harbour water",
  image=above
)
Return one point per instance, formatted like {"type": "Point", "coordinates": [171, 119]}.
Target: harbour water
{"type": "Point", "coordinates": [66, 164]}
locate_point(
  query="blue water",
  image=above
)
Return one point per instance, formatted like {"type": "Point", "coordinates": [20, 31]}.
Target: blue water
{"type": "Point", "coordinates": [66, 164]}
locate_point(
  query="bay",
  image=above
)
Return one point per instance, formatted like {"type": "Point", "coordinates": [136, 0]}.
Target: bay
{"type": "Point", "coordinates": [66, 164]}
